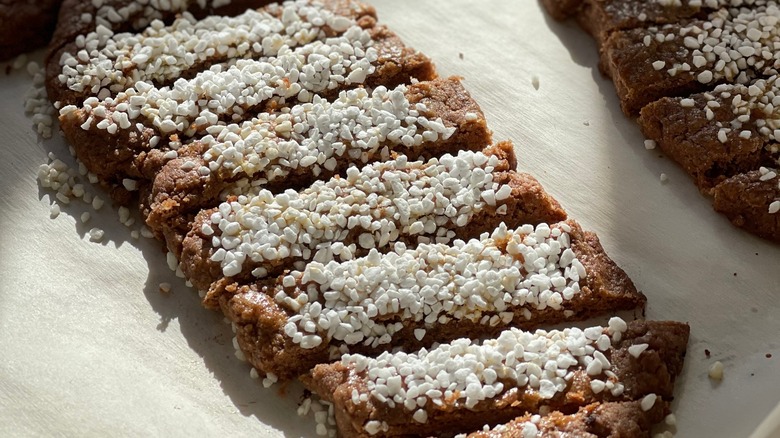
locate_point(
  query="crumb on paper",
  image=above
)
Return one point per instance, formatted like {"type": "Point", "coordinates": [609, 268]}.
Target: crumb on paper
{"type": "Point", "coordinates": [586, 123]}
{"type": "Point", "coordinates": [460, 55]}
{"type": "Point", "coordinates": [535, 81]}
{"type": "Point", "coordinates": [165, 288]}
{"type": "Point", "coordinates": [716, 371]}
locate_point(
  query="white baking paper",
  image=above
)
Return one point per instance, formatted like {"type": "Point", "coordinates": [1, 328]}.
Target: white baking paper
{"type": "Point", "coordinates": [89, 346]}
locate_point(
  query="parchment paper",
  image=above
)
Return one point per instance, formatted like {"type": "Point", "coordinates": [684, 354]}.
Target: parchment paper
{"type": "Point", "coordinates": [90, 347]}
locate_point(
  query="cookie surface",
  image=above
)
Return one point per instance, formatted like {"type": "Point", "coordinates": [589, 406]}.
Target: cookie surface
{"type": "Point", "coordinates": [27, 25]}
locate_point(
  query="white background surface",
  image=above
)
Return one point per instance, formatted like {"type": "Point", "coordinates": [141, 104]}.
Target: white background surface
{"type": "Point", "coordinates": [90, 347]}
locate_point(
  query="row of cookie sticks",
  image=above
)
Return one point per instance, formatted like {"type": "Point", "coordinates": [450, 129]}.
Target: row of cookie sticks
{"type": "Point", "coordinates": [328, 221]}
{"type": "Point", "coordinates": [702, 77]}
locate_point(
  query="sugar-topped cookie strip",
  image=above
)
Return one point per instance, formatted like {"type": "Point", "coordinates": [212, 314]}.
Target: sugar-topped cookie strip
{"type": "Point", "coordinates": [602, 17]}
{"type": "Point", "coordinates": [113, 135]}
{"type": "Point", "coordinates": [735, 45]}
{"type": "Point", "coordinates": [460, 386]}
{"type": "Point", "coordinates": [103, 63]}
{"type": "Point", "coordinates": [727, 140]}
{"type": "Point", "coordinates": [751, 201]}
{"type": "Point", "coordinates": [412, 298]}
{"type": "Point", "coordinates": [79, 20]}
{"type": "Point", "coordinates": [714, 135]}
{"type": "Point", "coordinates": [257, 234]}
{"type": "Point", "coordinates": [294, 147]}
{"type": "Point", "coordinates": [80, 17]}
{"type": "Point", "coordinates": [627, 14]}
{"type": "Point", "coordinates": [633, 419]}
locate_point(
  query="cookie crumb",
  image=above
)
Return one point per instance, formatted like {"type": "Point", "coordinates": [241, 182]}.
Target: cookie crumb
{"type": "Point", "coordinates": [716, 371]}
{"type": "Point", "coordinates": [165, 288]}
{"type": "Point", "coordinates": [707, 352]}
{"type": "Point", "coordinates": [460, 55]}
{"type": "Point", "coordinates": [586, 123]}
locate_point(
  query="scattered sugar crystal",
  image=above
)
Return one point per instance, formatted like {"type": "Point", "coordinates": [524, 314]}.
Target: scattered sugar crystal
{"type": "Point", "coordinates": [54, 211]}
{"type": "Point", "coordinates": [96, 235]}
{"type": "Point", "coordinates": [97, 202]}
{"type": "Point", "coordinates": [19, 62]}
{"type": "Point", "coordinates": [716, 371]}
